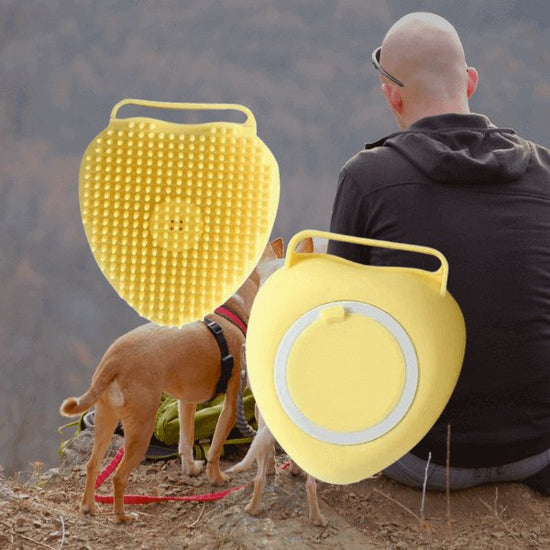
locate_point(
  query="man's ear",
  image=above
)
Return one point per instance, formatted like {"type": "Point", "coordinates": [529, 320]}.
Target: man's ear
{"type": "Point", "coordinates": [473, 79]}
{"type": "Point", "coordinates": [393, 97]}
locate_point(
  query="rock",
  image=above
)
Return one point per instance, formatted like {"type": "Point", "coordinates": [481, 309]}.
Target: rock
{"type": "Point", "coordinates": [78, 449]}
{"type": "Point", "coordinates": [5, 491]}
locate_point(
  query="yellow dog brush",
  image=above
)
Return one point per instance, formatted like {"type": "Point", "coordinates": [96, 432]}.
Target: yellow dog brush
{"type": "Point", "coordinates": [352, 364]}
{"type": "Point", "coordinates": [177, 215]}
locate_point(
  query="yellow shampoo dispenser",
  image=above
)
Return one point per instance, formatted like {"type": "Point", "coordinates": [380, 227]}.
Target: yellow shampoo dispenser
{"type": "Point", "coordinates": [177, 215]}
{"type": "Point", "coordinates": [352, 364]}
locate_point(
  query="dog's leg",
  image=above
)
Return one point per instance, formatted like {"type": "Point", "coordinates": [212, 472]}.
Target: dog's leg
{"type": "Point", "coordinates": [270, 459]}
{"type": "Point", "coordinates": [254, 507]}
{"type": "Point", "coordinates": [264, 442]}
{"type": "Point", "coordinates": [261, 444]}
{"type": "Point", "coordinates": [187, 434]}
{"type": "Point", "coordinates": [223, 427]}
{"type": "Point", "coordinates": [105, 421]}
{"type": "Point", "coordinates": [137, 435]}
{"type": "Point", "coordinates": [315, 515]}
{"type": "Point", "coordinates": [295, 470]}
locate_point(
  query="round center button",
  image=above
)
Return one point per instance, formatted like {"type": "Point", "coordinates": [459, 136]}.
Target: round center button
{"type": "Point", "coordinates": [177, 225]}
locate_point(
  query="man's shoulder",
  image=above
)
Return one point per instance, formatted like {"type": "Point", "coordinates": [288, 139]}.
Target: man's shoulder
{"type": "Point", "coordinates": [377, 166]}
{"type": "Point", "coordinates": [542, 153]}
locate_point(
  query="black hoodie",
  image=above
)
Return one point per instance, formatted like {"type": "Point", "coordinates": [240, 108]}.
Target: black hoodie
{"type": "Point", "coordinates": [481, 195]}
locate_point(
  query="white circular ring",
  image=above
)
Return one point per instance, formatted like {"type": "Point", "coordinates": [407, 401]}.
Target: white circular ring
{"type": "Point", "coordinates": [350, 437]}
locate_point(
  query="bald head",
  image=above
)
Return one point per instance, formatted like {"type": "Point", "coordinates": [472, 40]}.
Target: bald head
{"type": "Point", "coordinates": [424, 51]}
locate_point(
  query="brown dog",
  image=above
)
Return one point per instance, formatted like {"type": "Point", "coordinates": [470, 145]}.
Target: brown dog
{"type": "Point", "coordinates": [262, 449]}
{"type": "Point", "coordinates": [149, 360]}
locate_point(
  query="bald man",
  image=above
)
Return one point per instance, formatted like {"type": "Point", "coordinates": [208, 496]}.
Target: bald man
{"type": "Point", "coordinates": [452, 180]}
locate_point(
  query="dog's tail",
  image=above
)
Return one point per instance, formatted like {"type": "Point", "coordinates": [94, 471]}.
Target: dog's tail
{"type": "Point", "coordinates": [75, 406]}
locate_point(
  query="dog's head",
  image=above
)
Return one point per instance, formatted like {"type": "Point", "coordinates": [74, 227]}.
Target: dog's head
{"type": "Point", "coordinates": [273, 257]}
{"type": "Point", "coordinates": [271, 260]}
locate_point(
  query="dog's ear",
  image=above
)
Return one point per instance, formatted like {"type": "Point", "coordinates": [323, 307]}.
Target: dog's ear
{"type": "Point", "coordinates": [272, 251]}
{"type": "Point", "coordinates": [305, 246]}
{"type": "Point", "coordinates": [278, 246]}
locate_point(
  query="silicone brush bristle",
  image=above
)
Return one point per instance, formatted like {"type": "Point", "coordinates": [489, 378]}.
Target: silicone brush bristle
{"type": "Point", "coordinates": [177, 215]}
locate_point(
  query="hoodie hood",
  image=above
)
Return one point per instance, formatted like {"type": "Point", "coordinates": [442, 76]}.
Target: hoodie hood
{"type": "Point", "coordinates": [462, 148]}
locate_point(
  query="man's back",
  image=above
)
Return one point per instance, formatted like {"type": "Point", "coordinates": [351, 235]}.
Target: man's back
{"type": "Point", "coordinates": [482, 196]}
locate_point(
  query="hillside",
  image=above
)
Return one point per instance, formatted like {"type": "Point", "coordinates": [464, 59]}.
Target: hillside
{"type": "Point", "coordinates": [373, 514]}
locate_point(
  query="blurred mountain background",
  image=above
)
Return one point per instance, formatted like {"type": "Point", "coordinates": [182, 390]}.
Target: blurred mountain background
{"type": "Point", "coordinates": [304, 69]}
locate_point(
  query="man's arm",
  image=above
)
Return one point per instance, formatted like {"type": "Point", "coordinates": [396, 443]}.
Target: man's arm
{"type": "Point", "coordinates": [349, 217]}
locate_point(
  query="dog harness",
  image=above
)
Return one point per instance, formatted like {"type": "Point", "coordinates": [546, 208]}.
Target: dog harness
{"type": "Point", "coordinates": [227, 360]}
{"type": "Point", "coordinates": [230, 315]}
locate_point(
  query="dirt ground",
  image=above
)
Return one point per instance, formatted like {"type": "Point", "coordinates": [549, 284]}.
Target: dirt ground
{"type": "Point", "coordinates": [376, 513]}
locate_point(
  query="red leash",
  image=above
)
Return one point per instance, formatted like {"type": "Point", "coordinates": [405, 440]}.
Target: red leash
{"type": "Point", "coordinates": [109, 468]}
{"type": "Point", "coordinates": [143, 499]}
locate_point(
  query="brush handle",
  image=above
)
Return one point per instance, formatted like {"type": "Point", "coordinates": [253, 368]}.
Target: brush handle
{"type": "Point", "coordinates": [250, 121]}
{"type": "Point", "coordinates": [441, 274]}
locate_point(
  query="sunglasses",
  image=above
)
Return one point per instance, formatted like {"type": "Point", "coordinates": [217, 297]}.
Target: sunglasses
{"type": "Point", "coordinates": [376, 62]}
